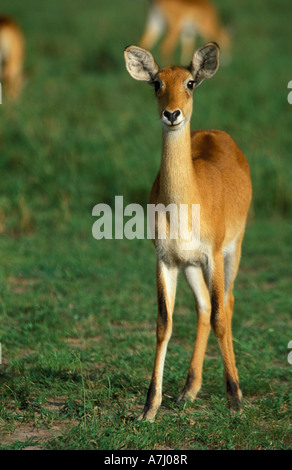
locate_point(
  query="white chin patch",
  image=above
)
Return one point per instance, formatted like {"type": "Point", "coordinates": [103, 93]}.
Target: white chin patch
{"type": "Point", "coordinates": [176, 125]}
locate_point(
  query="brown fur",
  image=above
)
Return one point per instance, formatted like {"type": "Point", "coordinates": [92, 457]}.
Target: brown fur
{"type": "Point", "coordinates": [183, 20]}
{"type": "Point", "coordinates": [206, 168]}
{"type": "Point", "coordinates": [11, 56]}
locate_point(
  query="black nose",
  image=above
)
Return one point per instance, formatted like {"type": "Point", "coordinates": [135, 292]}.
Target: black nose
{"type": "Point", "coordinates": [172, 117]}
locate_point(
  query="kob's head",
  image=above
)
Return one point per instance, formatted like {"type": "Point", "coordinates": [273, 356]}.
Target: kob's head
{"type": "Point", "coordinates": [173, 85]}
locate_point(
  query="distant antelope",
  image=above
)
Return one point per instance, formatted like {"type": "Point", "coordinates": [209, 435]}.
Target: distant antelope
{"type": "Point", "coordinates": [199, 167]}
{"type": "Point", "coordinates": [11, 56]}
{"type": "Point", "coordinates": [184, 19]}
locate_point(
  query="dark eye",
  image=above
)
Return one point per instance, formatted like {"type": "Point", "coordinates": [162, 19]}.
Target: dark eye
{"type": "Point", "coordinates": [191, 84]}
{"type": "Point", "coordinates": [157, 85]}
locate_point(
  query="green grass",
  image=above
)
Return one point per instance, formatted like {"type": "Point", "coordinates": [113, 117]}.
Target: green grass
{"type": "Point", "coordinates": [78, 330]}
{"type": "Point", "coordinates": [77, 315]}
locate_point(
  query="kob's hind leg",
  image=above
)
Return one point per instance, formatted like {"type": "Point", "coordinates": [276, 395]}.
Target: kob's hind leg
{"type": "Point", "coordinates": [153, 29]}
{"type": "Point", "coordinates": [198, 285]}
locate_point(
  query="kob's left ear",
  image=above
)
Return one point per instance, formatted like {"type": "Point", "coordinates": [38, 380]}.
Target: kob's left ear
{"type": "Point", "coordinates": [205, 62]}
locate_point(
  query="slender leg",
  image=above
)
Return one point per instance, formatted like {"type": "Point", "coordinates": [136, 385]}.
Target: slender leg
{"type": "Point", "coordinates": [198, 285]}
{"type": "Point", "coordinates": [231, 263]}
{"type": "Point", "coordinates": [222, 330]}
{"type": "Point", "coordinates": [211, 30]}
{"type": "Point", "coordinates": [153, 30]}
{"type": "Point", "coordinates": [13, 74]}
{"type": "Point", "coordinates": [188, 38]}
{"type": "Point", "coordinates": [166, 278]}
{"type": "Point", "coordinates": [187, 46]}
{"type": "Point", "coordinates": [169, 42]}
{"type": "Point", "coordinates": [1, 63]}
{"type": "Point", "coordinates": [229, 314]}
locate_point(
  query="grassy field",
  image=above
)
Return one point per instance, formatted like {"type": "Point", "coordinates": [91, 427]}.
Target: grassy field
{"type": "Point", "coordinates": [77, 315]}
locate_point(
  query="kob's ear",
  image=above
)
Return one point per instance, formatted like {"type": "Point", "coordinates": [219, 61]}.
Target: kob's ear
{"type": "Point", "coordinates": [205, 62]}
{"type": "Point", "coordinates": [140, 63]}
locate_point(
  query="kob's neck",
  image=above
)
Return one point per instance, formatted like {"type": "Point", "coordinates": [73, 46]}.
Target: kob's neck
{"type": "Point", "coordinates": [176, 170]}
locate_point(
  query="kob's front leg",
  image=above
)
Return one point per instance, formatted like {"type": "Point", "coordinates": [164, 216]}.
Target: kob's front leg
{"type": "Point", "coordinates": [166, 278]}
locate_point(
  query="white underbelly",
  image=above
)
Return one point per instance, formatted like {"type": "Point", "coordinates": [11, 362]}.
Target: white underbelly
{"type": "Point", "coordinates": [179, 252]}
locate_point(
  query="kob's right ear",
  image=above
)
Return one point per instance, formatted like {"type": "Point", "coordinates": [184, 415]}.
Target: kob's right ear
{"type": "Point", "coordinates": [140, 64]}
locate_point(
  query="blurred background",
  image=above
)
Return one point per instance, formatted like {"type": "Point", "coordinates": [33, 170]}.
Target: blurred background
{"type": "Point", "coordinates": [77, 316]}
